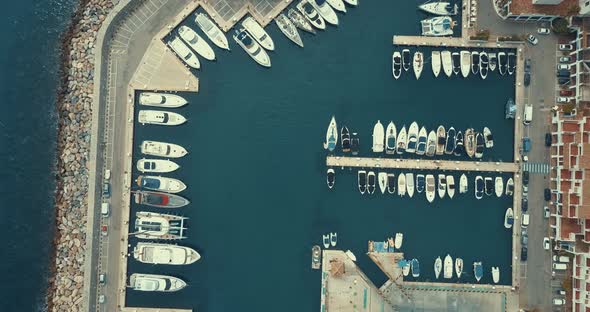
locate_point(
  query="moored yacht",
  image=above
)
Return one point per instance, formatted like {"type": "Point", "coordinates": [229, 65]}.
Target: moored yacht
{"type": "Point", "coordinates": [330, 178]}
{"type": "Point", "coordinates": [401, 141]}
{"type": "Point", "coordinates": [463, 184]}
{"type": "Point", "coordinates": [154, 282]}
{"type": "Point", "coordinates": [442, 185]}
{"type": "Point", "coordinates": [325, 11]}
{"type": "Point", "coordinates": [338, 5]}
{"type": "Point", "coordinates": [161, 118]}
{"type": "Point", "coordinates": [430, 187]}
{"type": "Point", "coordinates": [489, 186]}
{"type": "Point", "coordinates": [502, 63]}
{"type": "Point", "coordinates": [162, 149]}
{"type": "Point", "coordinates": [406, 59]}
{"type": "Point", "coordinates": [352, 2]}
{"type": "Point", "coordinates": [378, 137]}
{"type": "Point", "coordinates": [415, 268]}
{"type": "Point", "coordinates": [165, 100]}
{"type": "Point", "coordinates": [439, 8]}
{"type": "Point", "coordinates": [396, 64]}
{"type": "Point", "coordinates": [405, 265]}
{"type": "Point", "coordinates": [355, 144]}
{"type": "Point", "coordinates": [459, 147]}
{"type": "Point", "coordinates": [477, 270]}
{"type": "Point", "coordinates": [412, 137]}
{"type": "Point", "coordinates": [382, 177]}
{"type": "Point", "coordinates": [493, 61]}
{"type": "Point", "coordinates": [437, 26]}
{"type": "Point", "coordinates": [212, 31]}
{"type": "Point", "coordinates": [465, 63]}
{"type": "Point", "coordinates": [418, 63]}
{"type": "Point", "coordinates": [508, 218]}
{"type": "Point", "coordinates": [458, 267]}
{"type": "Point", "coordinates": [447, 62]}
{"type": "Point", "coordinates": [448, 267]}
{"type": "Point", "coordinates": [450, 141]}
{"type": "Point", "coordinates": [371, 182]}
{"type": "Point", "coordinates": [331, 135]}
{"type": "Point", "coordinates": [511, 63]}
{"type": "Point", "coordinates": [474, 62]}
{"type": "Point", "coordinates": [196, 42]}
{"type": "Point", "coordinates": [478, 189]}
{"type": "Point", "coordinates": [162, 184]}
{"type": "Point", "coordinates": [469, 142]}
{"type": "Point", "coordinates": [479, 145]}
{"type": "Point", "coordinates": [326, 240]}
{"type": "Point", "coordinates": [488, 137]}
{"type": "Point", "coordinates": [333, 239]}
{"type": "Point", "coordinates": [311, 14]}
{"type": "Point", "coordinates": [151, 225]}
{"type": "Point", "coordinates": [159, 199]}
{"type": "Point", "coordinates": [391, 138]}
{"type": "Point", "coordinates": [456, 62]}
{"type": "Point", "coordinates": [288, 28]}
{"type": "Point", "coordinates": [437, 267]}
{"type": "Point", "coordinates": [251, 47]}
{"type": "Point", "coordinates": [441, 135]}
{"type": "Point", "coordinates": [399, 239]}
{"type": "Point", "coordinates": [153, 253]}
{"type": "Point", "coordinates": [410, 184]}
{"type": "Point", "coordinates": [499, 186]}
{"type": "Point", "coordinates": [495, 274]}
{"type": "Point", "coordinates": [156, 165]}
{"type": "Point", "coordinates": [300, 21]}
{"type": "Point", "coordinates": [401, 184]}
{"type": "Point", "coordinates": [420, 183]}
{"type": "Point", "coordinates": [435, 62]}
{"type": "Point", "coordinates": [483, 64]}
{"type": "Point", "coordinates": [183, 51]}
{"type": "Point", "coordinates": [450, 186]}
{"type": "Point", "coordinates": [345, 139]}
{"type": "Point", "coordinates": [362, 181]}
{"type": "Point", "coordinates": [258, 33]}
{"type": "Point", "coordinates": [316, 257]}
{"type": "Point", "coordinates": [391, 183]}
{"type": "Point", "coordinates": [422, 141]}
{"type": "Point", "coordinates": [431, 144]}
{"type": "Point", "coordinates": [510, 187]}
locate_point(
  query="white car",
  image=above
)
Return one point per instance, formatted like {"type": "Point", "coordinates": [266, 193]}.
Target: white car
{"type": "Point", "coordinates": [546, 212]}
{"type": "Point", "coordinates": [543, 31]}
{"type": "Point", "coordinates": [558, 301]}
{"type": "Point", "coordinates": [562, 99]}
{"type": "Point", "coordinates": [532, 39]}
{"type": "Point", "coordinates": [565, 59]}
{"type": "Point", "coordinates": [563, 66]}
{"type": "Point", "coordinates": [546, 243]}
{"type": "Point", "coordinates": [566, 47]}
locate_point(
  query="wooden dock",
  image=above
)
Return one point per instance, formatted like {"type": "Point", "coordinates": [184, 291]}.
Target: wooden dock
{"type": "Point", "coordinates": [420, 164]}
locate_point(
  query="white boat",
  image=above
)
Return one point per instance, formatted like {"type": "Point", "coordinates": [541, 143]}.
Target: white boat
{"type": "Point", "coordinates": [164, 184]}
{"type": "Point", "coordinates": [156, 165]}
{"type": "Point", "coordinates": [352, 2]}
{"type": "Point", "coordinates": [510, 187]}
{"type": "Point", "coordinates": [391, 183]}
{"type": "Point", "coordinates": [477, 270]}
{"type": "Point", "coordinates": [439, 8]}
{"type": "Point", "coordinates": [333, 239]}
{"type": "Point", "coordinates": [183, 51]}
{"type": "Point", "coordinates": [258, 33]}
{"type": "Point", "coordinates": [437, 267]}
{"type": "Point", "coordinates": [435, 62]}
{"type": "Point", "coordinates": [378, 137]}
{"type": "Point", "coordinates": [456, 58]}
{"type": "Point", "coordinates": [154, 282]}
{"type": "Point", "coordinates": [465, 63]}
{"type": "Point", "coordinates": [511, 63]}
{"type": "Point", "coordinates": [508, 218]}
{"type": "Point", "coordinates": [499, 186]}
{"type": "Point", "coordinates": [399, 239]}
{"type": "Point", "coordinates": [162, 149]}
{"type": "Point", "coordinates": [483, 64]}
{"type": "Point", "coordinates": [430, 187]}
{"type": "Point", "coordinates": [442, 185]}
{"type": "Point", "coordinates": [412, 137]}
{"type": "Point", "coordinates": [406, 60]}
{"type": "Point", "coordinates": [437, 26]}
{"type": "Point", "coordinates": [330, 178]}
{"type": "Point", "coordinates": [410, 184]}
{"type": "Point", "coordinates": [288, 28]}
{"type": "Point", "coordinates": [493, 61]}
{"type": "Point", "coordinates": [463, 184]}
{"type": "Point", "coordinates": [450, 186]}
{"type": "Point", "coordinates": [382, 177]}
{"type": "Point", "coordinates": [418, 64]}
{"type": "Point", "coordinates": [488, 137]}
{"type": "Point", "coordinates": [448, 267]}
{"type": "Point", "coordinates": [311, 14]}
{"type": "Point", "coordinates": [390, 138]}
{"type": "Point", "coordinates": [326, 241]}
{"type": "Point", "coordinates": [350, 255]}
{"type": "Point", "coordinates": [396, 64]}
{"type": "Point", "coordinates": [422, 141]}
{"type": "Point", "coordinates": [325, 10]}
{"type": "Point", "coordinates": [502, 63]}
{"type": "Point", "coordinates": [162, 118]}
{"type": "Point", "coordinates": [151, 225]}
{"type": "Point", "coordinates": [447, 63]}
{"type": "Point", "coordinates": [458, 267]}
{"type": "Point", "coordinates": [401, 141]}
{"type": "Point", "coordinates": [441, 140]}
{"type": "Point", "coordinates": [479, 187]}
{"type": "Point", "coordinates": [212, 31]}
{"type": "Point", "coordinates": [300, 21]}
{"type": "Point", "coordinates": [496, 274]}
{"type": "Point", "coordinates": [338, 5]}
{"type": "Point", "coordinates": [431, 144]}
{"type": "Point", "coordinates": [196, 42]}
{"type": "Point", "coordinates": [153, 253]}
{"type": "Point", "coordinates": [251, 47]}
{"type": "Point", "coordinates": [362, 181]}
{"type": "Point", "coordinates": [371, 182]}
{"type": "Point", "coordinates": [401, 184]}
{"type": "Point", "coordinates": [406, 269]}
{"type": "Point", "coordinates": [161, 100]}
{"type": "Point", "coordinates": [474, 62]}
{"type": "Point", "coordinates": [331, 135]}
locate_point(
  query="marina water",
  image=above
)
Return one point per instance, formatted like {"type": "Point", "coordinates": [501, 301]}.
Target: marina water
{"type": "Point", "coordinates": [29, 64]}
{"type": "Point", "coordinates": [256, 167]}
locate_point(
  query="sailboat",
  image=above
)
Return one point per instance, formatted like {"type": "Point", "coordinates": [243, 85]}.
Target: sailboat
{"type": "Point", "coordinates": [345, 139]}
{"type": "Point", "coordinates": [300, 21]}
{"type": "Point", "coordinates": [483, 64]}
{"type": "Point", "coordinates": [448, 267]}
{"type": "Point", "coordinates": [396, 64]}
{"type": "Point", "coordinates": [378, 137]}
{"type": "Point", "coordinates": [441, 135]}
{"type": "Point", "coordinates": [382, 177]}
{"type": "Point", "coordinates": [401, 184]}
{"type": "Point", "coordinates": [447, 62]}
{"type": "Point", "coordinates": [502, 63]}
{"type": "Point", "coordinates": [458, 267]}
{"type": "Point", "coordinates": [371, 182]}
{"type": "Point", "coordinates": [456, 62]}
{"type": "Point", "coordinates": [289, 29]}
{"type": "Point", "coordinates": [331, 136]}
{"type": "Point", "coordinates": [442, 185]}
{"type": "Point", "coordinates": [422, 141]}
{"type": "Point", "coordinates": [435, 62]}
{"type": "Point", "coordinates": [508, 218]}
{"type": "Point", "coordinates": [474, 62]}
{"type": "Point", "coordinates": [463, 184]}
{"type": "Point", "coordinates": [401, 141]}
{"type": "Point", "coordinates": [418, 64]}
{"type": "Point", "coordinates": [437, 267]}
{"type": "Point", "coordinates": [437, 26]}
{"type": "Point", "coordinates": [465, 63]}
{"type": "Point", "coordinates": [406, 60]}
{"type": "Point", "coordinates": [391, 137]}
{"type": "Point", "coordinates": [410, 184]}
{"type": "Point", "coordinates": [390, 183]}
{"type": "Point", "coordinates": [362, 181]}
{"type": "Point", "coordinates": [412, 137]}
{"type": "Point", "coordinates": [431, 144]}
{"type": "Point", "coordinates": [499, 186]}
{"type": "Point", "coordinates": [510, 187]}
{"type": "Point", "coordinates": [450, 186]}
{"type": "Point", "coordinates": [430, 187]}
{"type": "Point", "coordinates": [493, 61]}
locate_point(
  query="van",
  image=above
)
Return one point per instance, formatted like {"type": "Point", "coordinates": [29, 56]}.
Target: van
{"type": "Point", "coordinates": [104, 209]}
{"type": "Point", "coordinates": [525, 220]}
{"type": "Point", "coordinates": [562, 259]}
{"type": "Point", "coordinates": [560, 266]}
{"type": "Point", "coordinates": [528, 114]}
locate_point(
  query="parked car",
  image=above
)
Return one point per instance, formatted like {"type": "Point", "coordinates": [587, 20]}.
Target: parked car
{"type": "Point", "coordinates": [562, 99]}
{"type": "Point", "coordinates": [526, 144]}
{"type": "Point", "coordinates": [543, 31]}
{"type": "Point", "coordinates": [104, 230]}
{"type": "Point", "coordinates": [527, 79]}
{"type": "Point", "coordinates": [566, 92]}
{"type": "Point", "coordinates": [525, 191]}
{"type": "Point", "coordinates": [546, 212]}
{"type": "Point", "coordinates": [560, 292]}
{"type": "Point", "coordinates": [525, 220]}
{"type": "Point", "coordinates": [563, 66]}
{"type": "Point", "coordinates": [546, 243]}
{"type": "Point", "coordinates": [564, 73]}
{"type": "Point", "coordinates": [101, 299]}
{"type": "Point", "coordinates": [524, 238]}
{"type": "Point", "coordinates": [565, 59]}
{"type": "Point", "coordinates": [566, 47]}
{"type": "Point", "coordinates": [532, 39]}
{"type": "Point", "coordinates": [106, 189]}
{"type": "Point", "coordinates": [107, 174]}
{"type": "Point", "coordinates": [525, 177]}
{"type": "Point", "coordinates": [558, 301]}
{"type": "Point", "coordinates": [548, 139]}
{"type": "Point", "coordinates": [524, 205]}
{"type": "Point", "coordinates": [563, 81]}
{"type": "Point", "coordinates": [102, 278]}
{"type": "Point", "coordinates": [547, 194]}
{"type": "Point", "coordinates": [527, 65]}
{"type": "Point", "coordinates": [523, 253]}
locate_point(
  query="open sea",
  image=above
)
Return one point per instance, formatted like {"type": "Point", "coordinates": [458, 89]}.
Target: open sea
{"type": "Point", "coordinates": [29, 58]}
{"type": "Point", "coordinates": [256, 167]}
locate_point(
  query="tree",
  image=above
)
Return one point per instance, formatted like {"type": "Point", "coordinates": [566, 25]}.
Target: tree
{"type": "Point", "coordinates": [573, 10]}
{"type": "Point", "coordinates": [560, 26]}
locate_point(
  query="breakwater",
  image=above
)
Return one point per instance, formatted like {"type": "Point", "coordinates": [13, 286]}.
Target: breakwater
{"type": "Point", "coordinates": [74, 104]}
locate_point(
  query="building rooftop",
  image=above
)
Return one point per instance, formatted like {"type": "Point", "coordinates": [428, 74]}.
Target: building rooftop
{"type": "Point", "coordinates": [526, 7]}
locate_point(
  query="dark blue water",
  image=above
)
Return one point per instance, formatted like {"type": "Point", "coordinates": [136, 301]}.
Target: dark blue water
{"type": "Point", "coordinates": [30, 33]}
{"type": "Point", "coordinates": [256, 168]}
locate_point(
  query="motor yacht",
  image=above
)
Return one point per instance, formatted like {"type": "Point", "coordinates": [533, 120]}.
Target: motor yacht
{"type": "Point", "coordinates": [465, 63]}
{"type": "Point", "coordinates": [483, 64]}
{"type": "Point", "coordinates": [378, 137]}
{"type": "Point", "coordinates": [418, 64]}
{"type": "Point", "coordinates": [325, 10]}
{"type": "Point", "coordinates": [493, 61]}
{"type": "Point", "coordinates": [159, 199]}
{"type": "Point", "coordinates": [382, 177]}
{"type": "Point", "coordinates": [345, 139]}
{"type": "Point", "coordinates": [151, 225]}
{"type": "Point", "coordinates": [396, 64]}
{"type": "Point", "coordinates": [479, 187]}
{"type": "Point", "coordinates": [447, 62]}
{"type": "Point", "coordinates": [198, 44]}
{"type": "Point", "coordinates": [164, 100]}
{"type": "Point", "coordinates": [463, 184]}
{"type": "Point", "coordinates": [448, 267]}
{"type": "Point", "coordinates": [459, 147]}
{"type": "Point", "coordinates": [430, 187]}
{"type": "Point", "coordinates": [153, 253]}
{"type": "Point", "coordinates": [474, 62]}
{"type": "Point", "coordinates": [338, 5]}
{"type": "Point", "coordinates": [470, 142]}
{"type": "Point", "coordinates": [441, 135]}
{"type": "Point", "coordinates": [154, 282]}
{"type": "Point", "coordinates": [391, 138]}
{"type": "Point", "coordinates": [489, 186]}
{"type": "Point", "coordinates": [410, 184]}
{"type": "Point", "coordinates": [163, 184]}
{"type": "Point", "coordinates": [442, 185]}
{"type": "Point", "coordinates": [420, 183]}
{"type": "Point", "coordinates": [212, 31]}
{"type": "Point", "coordinates": [508, 218]}
{"type": "Point", "coordinates": [437, 267]}
{"type": "Point", "coordinates": [435, 62]}
{"type": "Point", "coordinates": [499, 186]}
{"type": "Point", "coordinates": [406, 59]}
{"type": "Point", "coordinates": [458, 267]}
{"type": "Point", "coordinates": [330, 178]}
{"type": "Point", "coordinates": [162, 149]}
{"type": "Point", "coordinates": [401, 184]}
{"type": "Point", "coordinates": [258, 33]}
{"type": "Point", "coordinates": [300, 21]}
{"type": "Point", "coordinates": [412, 137]}
{"type": "Point", "coordinates": [456, 63]}
{"type": "Point", "coordinates": [422, 141]}
{"type": "Point", "coordinates": [362, 181]}
{"type": "Point", "coordinates": [450, 141]}
{"type": "Point", "coordinates": [479, 145]}
{"type": "Point", "coordinates": [184, 52]}
{"type": "Point", "coordinates": [256, 52]}
{"type": "Point", "coordinates": [502, 63]}
{"type": "Point", "coordinates": [401, 141]}
{"type": "Point", "coordinates": [431, 144]}
{"type": "Point", "coordinates": [488, 137]}
{"type": "Point", "coordinates": [510, 187]}
{"type": "Point", "coordinates": [371, 182]}
{"type": "Point", "coordinates": [311, 14]}
{"type": "Point", "coordinates": [156, 165]}
{"type": "Point", "coordinates": [161, 118]}
{"type": "Point", "coordinates": [391, 183]}
{"type": "Point", "coordinates": [450, 186]}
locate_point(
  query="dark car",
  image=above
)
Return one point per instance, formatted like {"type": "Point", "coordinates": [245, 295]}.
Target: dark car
{"type": "Point", "coordinates": [527, 65]}
{"type": "Point", "coordinates": [525, 177]}
{"type": "Point", "coordinates": [524, 205]}
{"type": "Point", "coordinates": [547, 194]}
{"type": "Point", "coordinates": [523, 253]}
{"type": "Point", "coordinates": [524, 238]}
{"type": "Point", "coordinates": [563, 73]}
{"type": "Point", "coordinates": [106, 189]}
{"type": "Point", "coordinates": [527, 79]}
{"type": "Point", "coordinates": [548, 139]}
{"type": "Point", "coordinates": [563, 80]}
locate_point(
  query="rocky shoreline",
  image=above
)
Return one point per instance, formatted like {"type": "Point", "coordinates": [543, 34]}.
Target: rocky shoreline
{"type": "Point", "coordinates": [74, 107]}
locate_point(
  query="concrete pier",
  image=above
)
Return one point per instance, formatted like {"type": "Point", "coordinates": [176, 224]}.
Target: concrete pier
{"type": "Point", "coordinates": [420, 164]}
